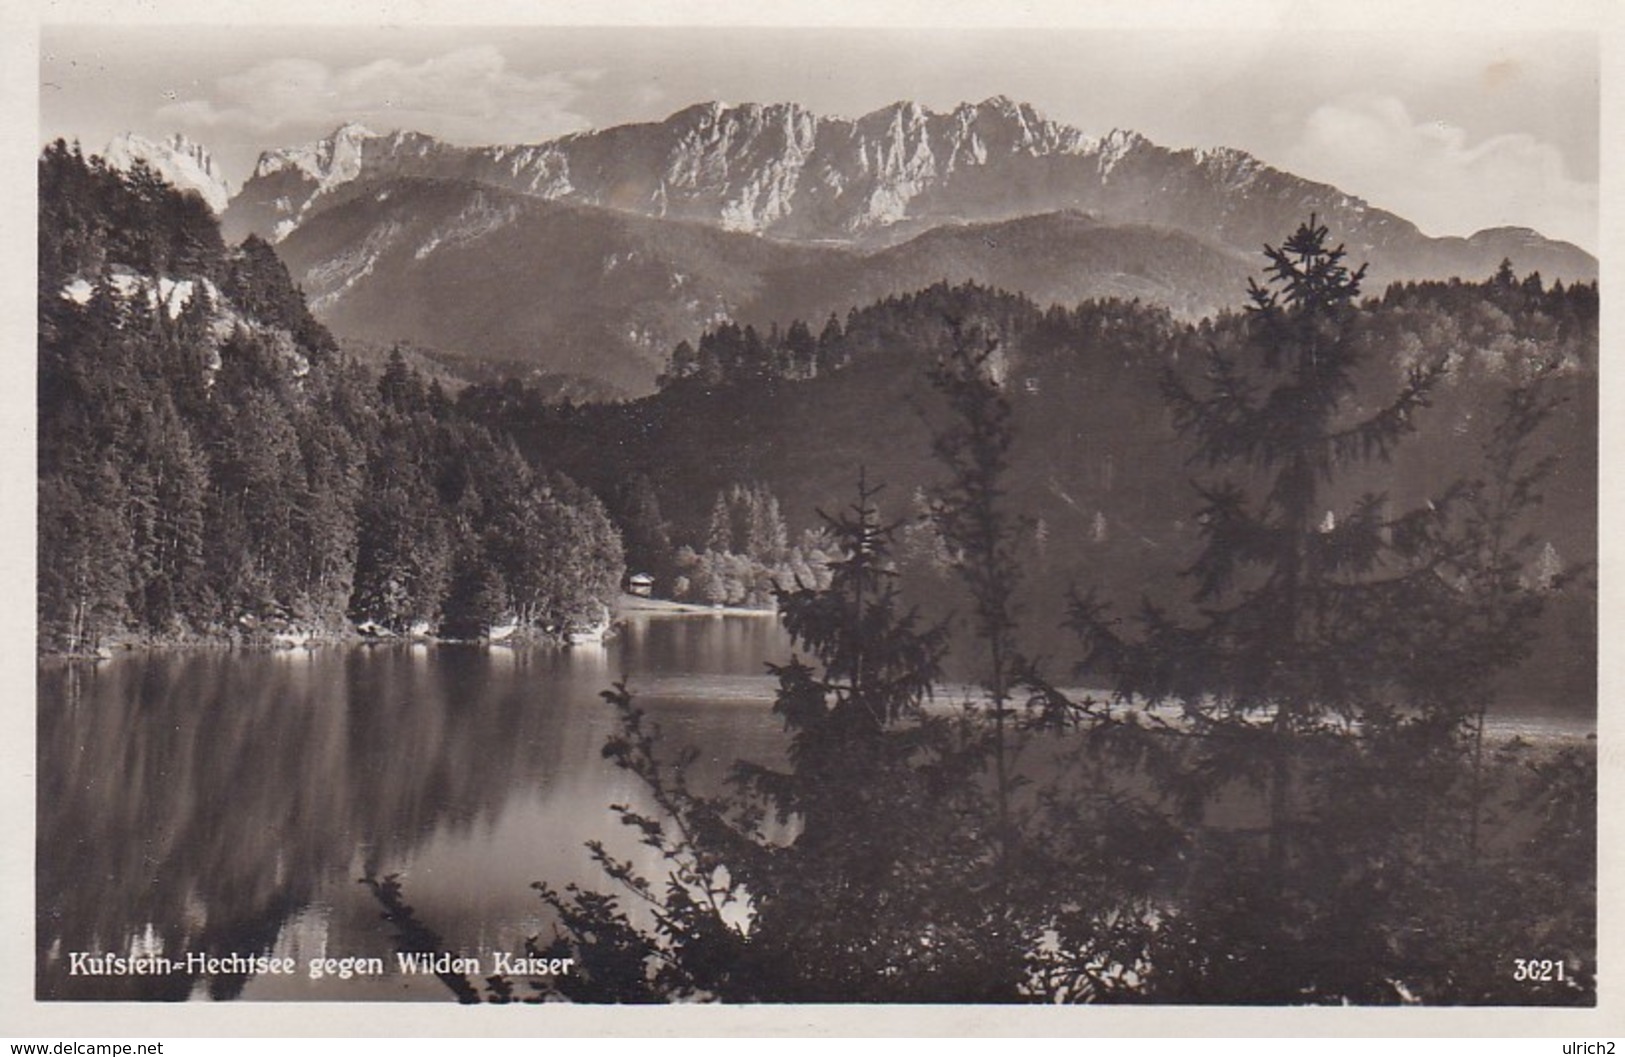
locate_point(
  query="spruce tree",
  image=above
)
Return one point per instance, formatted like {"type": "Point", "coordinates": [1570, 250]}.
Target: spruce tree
{"type": "Point", "coordinates": [1297, 660]}
{"type": "Point", "coordinates": [839, 875]}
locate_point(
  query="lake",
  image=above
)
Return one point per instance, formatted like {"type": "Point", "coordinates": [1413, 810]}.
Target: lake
{"type": "Point", "coordinates": [225, 803]}
{"type": "Point", "coordinates": [216, 802]}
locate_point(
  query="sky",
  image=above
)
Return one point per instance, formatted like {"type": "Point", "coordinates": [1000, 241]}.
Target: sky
{"type": "Point", "coordinates": [1455, 123]}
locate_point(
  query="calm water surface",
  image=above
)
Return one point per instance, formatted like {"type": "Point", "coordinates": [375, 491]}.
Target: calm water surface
{"type": "Point", "coordinates": [219, 803]}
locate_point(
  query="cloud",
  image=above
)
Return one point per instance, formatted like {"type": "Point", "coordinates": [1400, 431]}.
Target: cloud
{"type": "Point", "coordinates": [649, 94]}
{"type": "Point", "coordinates": [466, 96]}
{"type": "Point", "coordinates": [1428, 172]}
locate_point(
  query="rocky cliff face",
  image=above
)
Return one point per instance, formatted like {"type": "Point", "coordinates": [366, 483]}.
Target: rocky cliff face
{"type": "Point", "coordinates": [777, 170]}
{"type": "Point", "coordinates": [183, 163]}
{"type": "Point", "coordinates": [783, 172]}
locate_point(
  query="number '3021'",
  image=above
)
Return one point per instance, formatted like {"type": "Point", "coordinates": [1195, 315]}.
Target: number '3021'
{"type": "Point", "coordinates": [1537, 970]}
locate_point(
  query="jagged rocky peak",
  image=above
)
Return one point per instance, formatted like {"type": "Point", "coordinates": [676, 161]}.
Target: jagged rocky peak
{"type": "Point", "coordinates": [778, 170]}
{"type": "Point", "coordinates": [973, 131]}
{"type": "Point", "coordinates": [906, 111]}
{"type": "Point", "coordinates": [182, 162]}
{"type": "Point", "coordinates": [903, 115]}
{"type": "Point", "coordinates": [334, 160]}
{"type": "Point", "coordinates": [1228, 162]}
{"type": "Point", "coordinates": [1020, 115]}
{"type": "Point", "coordinates": [1119, 141]}
{"type": "Point", "coordinates": [707, 112]}
{"type": "Point", "coordinates": [182, 146]}
{"type": "Point", "coordinates": [402, 141]}
{"type": "Point", "coordinates": [752, 116]}
{"type": "Point", "coordinates": [747, 167]}
{"type": "Point", "coordinates": [749, 126]}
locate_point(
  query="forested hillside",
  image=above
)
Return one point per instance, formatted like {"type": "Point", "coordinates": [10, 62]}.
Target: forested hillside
{"type": "Point", "coordinates": [796, 412]}
{"type": "Point", "coordinates": [210, 465]}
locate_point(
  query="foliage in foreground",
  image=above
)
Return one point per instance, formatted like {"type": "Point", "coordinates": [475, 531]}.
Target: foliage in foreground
{"type": "Point", "coordinates": [1287, 799]}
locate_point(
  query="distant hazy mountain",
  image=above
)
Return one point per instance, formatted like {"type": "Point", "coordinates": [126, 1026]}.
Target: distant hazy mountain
{"type": "Point", "coordinates": [784, 172]}
{"type": "Point", "coordinates": [464, 267]}
{"type": "Point", "coordinates": [184, 164]}
{"type": "Point", "coordinates": [595, 253]}
{"type": "Point", "coordinates": [469, 268]}
{"type": "Point", "coordinates": [1054, 258]}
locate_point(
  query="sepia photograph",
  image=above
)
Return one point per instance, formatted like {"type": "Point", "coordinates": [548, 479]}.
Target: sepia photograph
{"type": "Point", "coordinates": [817, 508]}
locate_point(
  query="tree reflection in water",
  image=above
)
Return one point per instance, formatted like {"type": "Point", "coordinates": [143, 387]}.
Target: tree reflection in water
{"type": "Point", "coordinates": [218, 803]}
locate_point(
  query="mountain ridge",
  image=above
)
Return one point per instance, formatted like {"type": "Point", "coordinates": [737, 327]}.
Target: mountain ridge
{"type": "Point", "coordinates": [464, 267]}
{"type": "Point", "coordinates": [903, 192]}
{"type": "Point", "coordinates": [782, 171]}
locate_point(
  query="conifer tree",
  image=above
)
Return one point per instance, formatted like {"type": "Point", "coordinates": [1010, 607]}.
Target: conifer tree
{"type": "Point", "coordinates": [860, 869]}
{"type": "Point", "coordinates": [646, 534]}
{"type": "Point", "coordinates": [1309, 606]}
{"type": "Point", "coordinates": [830, 353]}
{"type": "Point", "coordinates": [719, 533]}
{"type": "Point", "coordinates": [801, 349]}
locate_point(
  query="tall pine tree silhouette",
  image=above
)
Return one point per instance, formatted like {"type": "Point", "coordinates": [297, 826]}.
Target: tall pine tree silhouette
{"type": "Point", "coordinates": [1306, 611]}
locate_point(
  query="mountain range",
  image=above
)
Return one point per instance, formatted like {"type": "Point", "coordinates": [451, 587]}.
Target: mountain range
{"type": "Point", "coordinates": [597, 252]}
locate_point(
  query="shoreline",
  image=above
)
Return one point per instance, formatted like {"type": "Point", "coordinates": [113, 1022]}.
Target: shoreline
{"type": "Point", "coordinates": [1533, 729]}
{"type": "Point", "coordinates": [636, 605]}
{"type": "Point", "coordinates": [627, 607]}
